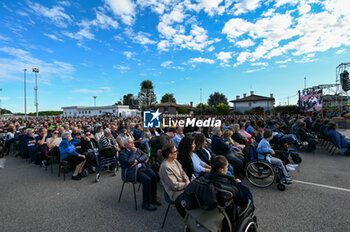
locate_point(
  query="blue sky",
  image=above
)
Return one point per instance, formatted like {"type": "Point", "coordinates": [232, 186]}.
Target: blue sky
{"type": "Point", "coordinates": [108, 47]}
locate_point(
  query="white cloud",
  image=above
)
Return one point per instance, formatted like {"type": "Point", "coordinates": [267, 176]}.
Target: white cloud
{"type": "Point", "coordinates": [280, 33]}
{"type": "Point", "coordinates": [125, 9]}
{"type": "Point", "coordinates": [340, 51]}
{"type": "Point", "coordinates": [143, 38]}
{"type": "Point", "coordinates": [224, 56]}
{"type": "Point", "coordinates": [197, 39]}
{"type": "Point", "coordinates": [129, 55]}
{"type": "Point", "coordinates": [80, 35]}
{"type": "Point", "coordinates": [255, 70]}
{"type": "Point", "coordinates": [211, 48]}
{"type": "Point", "coordinates": [283, 61]}
{"type": "Point", "coordinates": [99, 90]}
{"type": "Point", "coordinates": [245, 43]}
{"type": "Point", "coordinates": [283, 66]}
{"type": "Point", "coordinates": [101, 21]}
{"type": "Point", "coordinates": [54, 37]}
{"type": "Point", "coordinates": [56, 14]}
{"type": "Point", "coordinates": [305, 60]}
{"type": "Point", "coordinates": [201, 60]}
{"type": "Point", "coordinates": [4, 38]}
{"type": "Point", "coordinates": [121, 67]}
{"type": "Point", "coordinates": [213, 7]}
{"type": "Point", "coordinates": [260, 64]}
{"type": "Point", "coordinates": [163, 45]}
{"type": "Point", "coordinates": [21, 58]}
{"type": "Point", "coordinates": [244, 6]}
{"type": "Point", "coordinates": [242, 57]}
{"type": "Point", "coordinates": [166, 64]}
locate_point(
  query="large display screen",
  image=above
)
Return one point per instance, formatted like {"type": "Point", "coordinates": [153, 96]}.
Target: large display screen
{"type": "Point", "coordinates": [311, 100]}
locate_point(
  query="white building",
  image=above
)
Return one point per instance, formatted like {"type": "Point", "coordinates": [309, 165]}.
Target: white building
{"type": "Point", "coordinates": [116, 110]}
{"type": "Point", "coordinates": [252, 101]}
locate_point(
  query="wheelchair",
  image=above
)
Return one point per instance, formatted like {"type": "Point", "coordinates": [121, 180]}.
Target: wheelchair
{"type": "Point", "coordinates": [226, 217]}
{"type": "Point", "coordinates": [263, 174]}
{"type": "Point", "coordinates": [104, 162]}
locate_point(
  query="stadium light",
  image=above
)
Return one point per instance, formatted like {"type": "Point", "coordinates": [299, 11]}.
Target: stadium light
{"type": "Point", "coordinates": [36, 70]}
{"type": "Point", "coordinates": [25, 94]}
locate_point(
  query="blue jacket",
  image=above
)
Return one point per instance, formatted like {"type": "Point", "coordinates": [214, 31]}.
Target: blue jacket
{"type": "Point", "coordinates": [338, 139]}
{"type": "Point", "coordinates": [67, 148]}
{"type": "Point", "coordinates": [138, 134]}
{"type": "Point", "coordinates": [126, 159]}
{"type": "Point", "coordinates": [219, 147]}
{"type": "Point", "coordinates": [250, 129]}
{"type": "Point", "coordinates": [264, 147]}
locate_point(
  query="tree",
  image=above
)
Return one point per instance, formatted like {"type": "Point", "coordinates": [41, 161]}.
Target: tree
{"type": "Point", "coordinates": [222, 109]}
{"type": "Point", "coordinates": [168, 97]}
{"type": "Point", "coordinates": [5, 111]}
{"type": "Point", "coordinates": [204, 109]}
{"type": "Point", "coordinates": [182, 110]}
{"type": "Point", "coordinates": [147, 97]}
{"type": "Point", "coordinates": [126, 98]}
{"type": "Point", "coordinates": [258, 110]}
{"type": "Point", "coordinates": [291, 109]}
{"type": "Point", "coordinates": [216, 98]}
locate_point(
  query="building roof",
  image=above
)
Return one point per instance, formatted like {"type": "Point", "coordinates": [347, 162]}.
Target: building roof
{"type": "Point", "coordinates": [95, 107]}
{"type": "Point", "coordinates": [170, 104]}
{"type": "Point", "coordinates": [253, 97]}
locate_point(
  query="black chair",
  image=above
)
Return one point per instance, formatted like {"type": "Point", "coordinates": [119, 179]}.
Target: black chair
{"type": "Point", "coordinates": [62, 166]}
{"type": "Point", "coordinates": [50, 161]}
{"type": "Point", "coordinates": [125, 181]}
{"type": "Point", "coordinates": [171, 202]}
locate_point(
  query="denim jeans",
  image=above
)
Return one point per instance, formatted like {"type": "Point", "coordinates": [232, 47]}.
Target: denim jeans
{"type": "Point", "coordinates": [145, 142]}
{"type": "Point", "coordinates": [280, 165]}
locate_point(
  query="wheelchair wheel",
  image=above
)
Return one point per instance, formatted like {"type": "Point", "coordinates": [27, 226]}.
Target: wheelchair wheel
{"type": "Point", "coordinates": [281, 187]}
{"type": "Point", "coordinates": [97, 177]}
{"type": "Point", "coordinates": [85, 172]}
{"type": "Point", "coordinates": [248, 225]}
{"type": "Point", "coordinates": [296, 159]}
{"type": "Point", "coordinates": [260, 173]}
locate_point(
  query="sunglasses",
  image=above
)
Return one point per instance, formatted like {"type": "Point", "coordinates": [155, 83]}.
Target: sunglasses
{"type": "Point", "coordinates": [56, 133]}
{"type": "Point", "coordinates": [87, 134]}
{"type": "Point", "coordinates": [176, 151]}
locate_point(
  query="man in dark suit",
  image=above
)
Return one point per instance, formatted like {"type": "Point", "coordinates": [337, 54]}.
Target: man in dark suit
{"type": "Point", "coordinates": [132, 161]}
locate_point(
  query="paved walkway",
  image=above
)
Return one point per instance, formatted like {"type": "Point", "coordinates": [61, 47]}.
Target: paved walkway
{"type": "Point", "coordinates": [32, 199]}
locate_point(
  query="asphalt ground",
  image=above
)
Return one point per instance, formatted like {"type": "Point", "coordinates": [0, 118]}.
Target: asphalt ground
{"type": "Point", "coordinates": [32, 199]}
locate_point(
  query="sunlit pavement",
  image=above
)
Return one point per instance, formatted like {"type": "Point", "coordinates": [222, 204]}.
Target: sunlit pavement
{"type": "Point", "coordinates": [32, 199]}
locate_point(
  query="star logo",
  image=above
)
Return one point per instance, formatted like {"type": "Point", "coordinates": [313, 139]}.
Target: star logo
{"type": "Point", "coordinates": [155, 115]}
{"type": "Point", "coordinates": [151, 119]}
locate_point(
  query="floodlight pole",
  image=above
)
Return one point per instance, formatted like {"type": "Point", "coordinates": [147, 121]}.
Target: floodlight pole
{"type": "Point", "coordinates": [25, 94]}
{"type": "Point", "coordinates": [0, 103]}
{"type": "Point", "coordinates": [94, 100]}
{"type": "Point", "coordinates": [36, 70]}
{"type": "Point", "coordinates": [304, 82]}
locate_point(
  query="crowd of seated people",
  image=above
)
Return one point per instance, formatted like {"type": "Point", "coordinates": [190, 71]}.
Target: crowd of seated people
{"type": "Point", "coordinates": [182, 153]}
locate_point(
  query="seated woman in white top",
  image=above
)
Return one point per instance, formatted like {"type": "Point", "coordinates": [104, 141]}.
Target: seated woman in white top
{"type": "Point", "coordinates": [173, 177]}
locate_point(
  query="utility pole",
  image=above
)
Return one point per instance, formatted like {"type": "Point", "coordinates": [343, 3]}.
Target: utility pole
{"type": "Point", "coordinates": [201, 99]}
{"type": "Point", "coordinates": [94, 100]}
{"type": "Point", "coordinates": [36, 70]}
{"type": "Point", "coordinates": [25, 94]}
{"type": "Point", "coordinates": [304, 82]}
